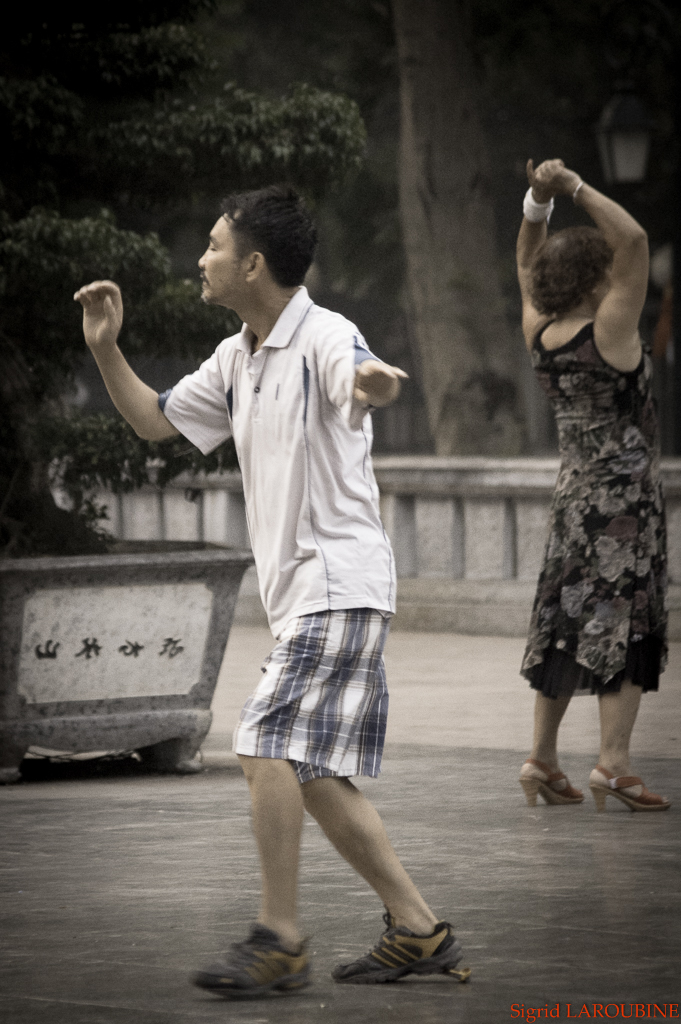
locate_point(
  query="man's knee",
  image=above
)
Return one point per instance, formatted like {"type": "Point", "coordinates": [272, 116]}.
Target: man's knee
{"type": "Point", "coordinates": [255, 768]}
{"type": "Point", "coordinates": [319, 791]}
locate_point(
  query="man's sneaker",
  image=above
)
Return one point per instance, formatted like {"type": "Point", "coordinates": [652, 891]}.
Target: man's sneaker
{"type": "Point", "coordinates": [255, 967]}
{"type": "Point", "coordinates": [402, 952]}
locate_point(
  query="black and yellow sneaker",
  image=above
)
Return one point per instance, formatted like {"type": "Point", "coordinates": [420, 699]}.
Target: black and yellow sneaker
{"type": "Point", "coordinates": [402, 952]}
{"type": "Point", "coordinates": [256, 967]}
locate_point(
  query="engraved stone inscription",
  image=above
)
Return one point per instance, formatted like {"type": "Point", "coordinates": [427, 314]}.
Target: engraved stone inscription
{"type": "Point", "coordinates": [92, 643]}
{"type": "Point", "coordinates": [171, 647]}
{"type": "Point", "coordinates": [48, 651]}
{"type": "Point", "coordinates": [129, 648]}
{"type": "Point", "coordinates": [90, 648]}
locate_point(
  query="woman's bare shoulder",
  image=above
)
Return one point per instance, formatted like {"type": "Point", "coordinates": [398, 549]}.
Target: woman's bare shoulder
{"type": "Point", "coordinates": [559, 332]}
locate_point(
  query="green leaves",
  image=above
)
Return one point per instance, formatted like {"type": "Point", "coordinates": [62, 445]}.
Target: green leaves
{"type": "Point", "coordinates": [39, 113]}
{"type": "Point", "coordinates": [46, 251]}
{"type": "Point", "coordinates": [309, 137]}
{"type": "Point", "coordinates": [96, 50]}
{"type": "Point", "coordinates": [112, 107]}
{"type": "Point", "coordinates": [175, 322]}
{"type": "Point", "coordinates": [44, 258]}
{"type": "Point", "coordinates": [155, 57]}
{"type": "Point", "coordinates": [92, 453]}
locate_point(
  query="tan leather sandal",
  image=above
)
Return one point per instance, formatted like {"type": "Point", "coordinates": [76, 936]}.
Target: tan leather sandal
{"type": "Point", "coordinates": [627, 788]}
{"type": "Point", "coordinates": [537, 778]}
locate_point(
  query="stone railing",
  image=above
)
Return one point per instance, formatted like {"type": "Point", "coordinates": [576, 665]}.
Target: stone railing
{"type": "Point", "coordinates": [447, 518]}
{"type": "Point", "coordinates": [468, 535]}
{"type": "Point", "coordinates": [480, 518]}
{"type": "Point", "coordinates": [466, 518]}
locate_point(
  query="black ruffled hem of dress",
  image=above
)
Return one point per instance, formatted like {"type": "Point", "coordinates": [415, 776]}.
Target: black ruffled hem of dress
{"type": "Point", "coordinates": [559, 675]}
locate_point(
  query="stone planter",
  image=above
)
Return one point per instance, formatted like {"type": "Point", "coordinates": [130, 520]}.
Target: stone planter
{"type": "Point", "coordinates": [114, 652]}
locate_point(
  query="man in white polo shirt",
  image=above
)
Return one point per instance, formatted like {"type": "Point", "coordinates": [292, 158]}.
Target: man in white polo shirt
{"type": "Point", "coordinates": [295, 389]}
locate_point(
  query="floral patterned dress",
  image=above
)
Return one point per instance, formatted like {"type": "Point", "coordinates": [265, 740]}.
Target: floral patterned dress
{"type": "Point", "coordinates": [599, 614]}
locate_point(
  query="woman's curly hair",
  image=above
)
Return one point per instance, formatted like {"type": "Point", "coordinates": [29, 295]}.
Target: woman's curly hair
{"type": "Point", "coordinates": [568, 266]}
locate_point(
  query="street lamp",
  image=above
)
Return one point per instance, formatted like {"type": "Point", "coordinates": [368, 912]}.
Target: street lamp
{"type": "Point", "coordinates": [623, 135]}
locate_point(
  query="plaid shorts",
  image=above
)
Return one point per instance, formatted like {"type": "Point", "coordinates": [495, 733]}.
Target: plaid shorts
{"type": "Point", "coordinates": [322, 702]}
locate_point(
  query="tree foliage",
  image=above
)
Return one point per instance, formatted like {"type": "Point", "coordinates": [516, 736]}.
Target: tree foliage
{"type": "Point", "coordinates": [308, 136]}
{"type": "Point", "coordinates": [115, 124]}
{"type": "Point", "coordinates": [100, 452]}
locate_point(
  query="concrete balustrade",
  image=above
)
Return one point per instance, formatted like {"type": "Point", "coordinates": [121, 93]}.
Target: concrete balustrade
{"type": "Point", "coordinates": [483, 519]}
{"type": "Point", "coordinates": [458, 526]}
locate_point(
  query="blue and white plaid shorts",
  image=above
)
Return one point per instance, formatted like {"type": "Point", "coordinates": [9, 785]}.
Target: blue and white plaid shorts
{"type": "Point", "coordinates": [323, 701]}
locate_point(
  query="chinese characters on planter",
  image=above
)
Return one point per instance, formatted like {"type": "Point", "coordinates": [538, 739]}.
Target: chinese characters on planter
{"type": "Point", "coordinates": [48, 651]}
{"type": "Point", "coordinates": [91, 648]}
{"type": "Point", "coordinates": [171, 647]}
{"type": "Point", "coordinates": [129, 648]}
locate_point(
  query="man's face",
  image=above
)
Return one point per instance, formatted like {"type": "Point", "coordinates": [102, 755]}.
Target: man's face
{"type": "Point", "coordinates": [221, 266]}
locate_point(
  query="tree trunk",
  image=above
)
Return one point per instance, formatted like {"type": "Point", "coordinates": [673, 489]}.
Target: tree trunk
{"type": "Point", "coordinates": [467, 353]}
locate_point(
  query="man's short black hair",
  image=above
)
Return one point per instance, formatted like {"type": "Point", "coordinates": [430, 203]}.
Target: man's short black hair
{"type": "Point", "coordinates": [275, 222]}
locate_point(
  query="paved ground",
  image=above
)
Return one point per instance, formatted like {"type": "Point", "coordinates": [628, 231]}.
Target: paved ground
{"type": "Point", "coordinates": [461, 691]}
{"type": "Point", "coordinates": [118, 884]}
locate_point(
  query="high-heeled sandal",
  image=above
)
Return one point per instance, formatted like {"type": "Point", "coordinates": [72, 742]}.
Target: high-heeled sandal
{"type": "Point", "coordinates": [537, 778]}
{"type": "Point", "coordinates": [627, 788]}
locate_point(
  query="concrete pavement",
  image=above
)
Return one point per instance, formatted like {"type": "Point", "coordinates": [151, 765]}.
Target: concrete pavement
{"type": "Point", "coordinates": [116, 884]}
{"type": "Point", "coordinates": [459, 691]}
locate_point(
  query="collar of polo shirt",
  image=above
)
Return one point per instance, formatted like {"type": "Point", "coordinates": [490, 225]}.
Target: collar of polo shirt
{"type": "Point", "coordinates": [285, 327]}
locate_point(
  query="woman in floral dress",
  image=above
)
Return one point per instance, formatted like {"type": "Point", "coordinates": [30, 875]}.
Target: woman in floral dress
{"type": "Point", "coordinates": [599, 621]}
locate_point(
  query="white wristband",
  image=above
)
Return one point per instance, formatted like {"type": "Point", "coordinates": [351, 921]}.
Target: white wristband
{"type": "Point", "coordinates": [534, 211]}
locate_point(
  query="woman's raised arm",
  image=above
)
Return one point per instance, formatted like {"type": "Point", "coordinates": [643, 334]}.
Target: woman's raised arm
{"type": "Point", "coordinates": [532, 235]}
{"type": "Point", "coordinates": [616, 323]}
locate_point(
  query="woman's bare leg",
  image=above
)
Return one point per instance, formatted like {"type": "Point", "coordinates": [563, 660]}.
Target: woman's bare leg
{"type": "Point", "coordinates": [618, 713]}
{"type": "Point", "coordinates": [548, 714]}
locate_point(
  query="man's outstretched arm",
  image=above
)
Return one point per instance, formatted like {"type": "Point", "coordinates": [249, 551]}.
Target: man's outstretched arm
{"type": "Point", "coordinates": [136, 401]}
{"type": "Point", "coordinates": [376, 383]}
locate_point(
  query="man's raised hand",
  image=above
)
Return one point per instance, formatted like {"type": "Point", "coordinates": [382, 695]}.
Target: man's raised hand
{"type": "Point", "coordinates": [102, 313]}
{"type": "Point", "coordinates": [377, 383]}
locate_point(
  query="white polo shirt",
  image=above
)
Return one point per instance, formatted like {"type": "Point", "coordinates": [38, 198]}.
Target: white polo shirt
{"type": "Point", "coordinates": [304, 448]}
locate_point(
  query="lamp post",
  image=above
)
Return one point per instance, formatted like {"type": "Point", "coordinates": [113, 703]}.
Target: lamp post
{"type": "Point", "coordinates": [623, 135]}
{"type": "Point", "coordinates": [638, 34]}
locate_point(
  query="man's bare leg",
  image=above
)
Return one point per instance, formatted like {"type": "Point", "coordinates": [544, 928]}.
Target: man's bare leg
{"type": "Point", "coordinates": [354, 827]}
{"type": "Point", "coordinates": [277, 807]}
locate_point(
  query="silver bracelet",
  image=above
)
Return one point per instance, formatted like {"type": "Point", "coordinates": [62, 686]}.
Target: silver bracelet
{"type": "Point", "coordinates": [574, 194]}
{"type": "Point", "coordinates": [536, 212]}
